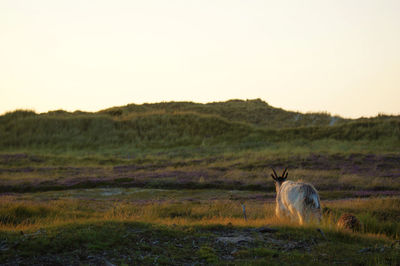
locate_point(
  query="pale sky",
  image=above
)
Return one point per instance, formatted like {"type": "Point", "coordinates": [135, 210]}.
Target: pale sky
{"type": "Point", "coordinates": [339, 56]}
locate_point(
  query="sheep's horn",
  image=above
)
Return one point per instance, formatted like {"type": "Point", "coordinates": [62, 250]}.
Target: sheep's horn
{"type": "Point", "coordinates": [274, 173]}
{"type": "Point", "coordinates": [284, 171]}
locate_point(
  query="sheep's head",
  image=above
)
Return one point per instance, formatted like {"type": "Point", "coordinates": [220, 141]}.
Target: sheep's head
{"type": "Point", "coordinates": [279, 179]}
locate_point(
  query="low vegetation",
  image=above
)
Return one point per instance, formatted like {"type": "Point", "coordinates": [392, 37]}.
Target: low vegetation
{"type": "Point", "coordinates": [139, 226]}
{"type": "Point", "coordinates": [187, 126]}
{"type": "Point", "coordinates": [166, 184]}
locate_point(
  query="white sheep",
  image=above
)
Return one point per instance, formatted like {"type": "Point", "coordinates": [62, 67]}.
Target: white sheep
{"type": "Point", "coordinates": [297, 201]}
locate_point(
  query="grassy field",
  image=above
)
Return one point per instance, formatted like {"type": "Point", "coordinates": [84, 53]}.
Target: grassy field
{"type": "Point", "coordinates": [166, 184]}
{"type": "Point", "coordinates": [156, 226]}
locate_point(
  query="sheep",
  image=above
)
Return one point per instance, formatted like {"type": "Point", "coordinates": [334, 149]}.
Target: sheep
{"type": "Point", "coordinates": [297, 201]}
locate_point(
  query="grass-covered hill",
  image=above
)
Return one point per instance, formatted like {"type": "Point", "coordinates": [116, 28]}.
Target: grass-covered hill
{"type": "Point", "coordinates": [234, 123]}
{"type": "Point", "coordinates": [253, 112]}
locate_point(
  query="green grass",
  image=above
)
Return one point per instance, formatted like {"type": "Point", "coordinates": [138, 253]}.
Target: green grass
{"type": "Point", "coordinates": [187, 127]}
{"type": "Point", "coordinates": [254, 112]}
{"type": "Point", "coordinates": [178, 230]}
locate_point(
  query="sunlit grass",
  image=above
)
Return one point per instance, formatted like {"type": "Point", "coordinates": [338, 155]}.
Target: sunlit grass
{"type": "Point", "coordinates": [77, 225]}
{"type": "Point", "coordinates": [379, 216]}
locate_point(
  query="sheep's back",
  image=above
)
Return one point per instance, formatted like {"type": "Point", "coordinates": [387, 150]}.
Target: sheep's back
{"type": "Point", "coordinates": [300, 195]}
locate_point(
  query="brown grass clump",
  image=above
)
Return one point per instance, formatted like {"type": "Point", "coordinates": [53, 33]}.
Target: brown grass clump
{"type": "Point", "coordinates": [349, 221]}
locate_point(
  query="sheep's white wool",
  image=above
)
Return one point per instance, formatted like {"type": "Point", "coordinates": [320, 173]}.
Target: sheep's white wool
{"type": "Point", "coordinates": [298, 201]}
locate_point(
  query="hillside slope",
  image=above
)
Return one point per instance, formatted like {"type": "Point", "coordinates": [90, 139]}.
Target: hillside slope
{"type": "Point", "coordinates": [255, 112]}
{"type": "Point", "coordinates": [168, 125]}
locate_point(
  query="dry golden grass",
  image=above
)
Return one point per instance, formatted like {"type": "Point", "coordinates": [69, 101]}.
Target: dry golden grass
{"type": "Point", "coordinates": [379, 216]}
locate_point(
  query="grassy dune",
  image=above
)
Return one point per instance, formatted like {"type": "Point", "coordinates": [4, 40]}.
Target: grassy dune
{"type": "Point", "coordinates": [144, 129]}
{"type": "Point", "coordinates": [253, 112]}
